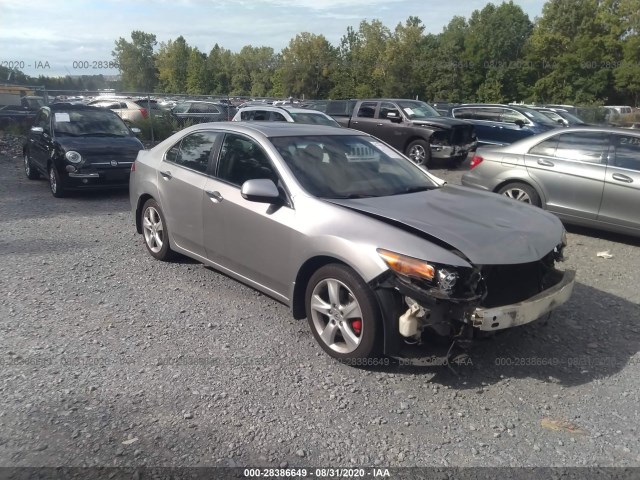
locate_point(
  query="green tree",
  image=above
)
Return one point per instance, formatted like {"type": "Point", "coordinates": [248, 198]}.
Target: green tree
{"type": "Point", "coordinates": [197, 78]}
{"type": "Point", "coordinates": [494, 43]}
{"type": "Point", "coordinates": [135, 61]}
{"type": "Point", "coordinates": [573, 47]}
{"type": "Point", "coordinates": [306, 66]}
{"type": "Point", "coordinates": [219, 70]}
{"type": "Point", "coordinates": [172, 61]}
{"type": "Point", "coordinates": [405, 59]}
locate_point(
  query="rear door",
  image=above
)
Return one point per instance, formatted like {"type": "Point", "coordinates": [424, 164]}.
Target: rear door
{"type": "Point", "coordinates": [570, 168]}
{"type": "Point", "coordinates": [621, 197]}
{"type": "Point", "coordinates": [182, 175]}
{"type": "Point", "coordinates": [364, 118]}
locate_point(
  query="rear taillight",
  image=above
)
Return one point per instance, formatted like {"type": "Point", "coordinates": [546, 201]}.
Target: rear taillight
{"type": "Point", "coordinates": [144, 112]}
{"type": "Point", "coordinates": [476, 160]}
{"type": "Point", "coordinates": [133, 167]}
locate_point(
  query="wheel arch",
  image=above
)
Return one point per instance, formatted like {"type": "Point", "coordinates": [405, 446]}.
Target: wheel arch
{"type": "Point", "coordinates": [141, 201]}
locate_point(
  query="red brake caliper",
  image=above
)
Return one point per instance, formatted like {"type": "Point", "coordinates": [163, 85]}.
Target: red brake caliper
{"type": "Point", "coordinates": [357, 326]}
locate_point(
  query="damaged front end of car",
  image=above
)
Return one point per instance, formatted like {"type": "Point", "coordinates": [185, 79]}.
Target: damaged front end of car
{"type": "Point", "coordinates": [422, 301]}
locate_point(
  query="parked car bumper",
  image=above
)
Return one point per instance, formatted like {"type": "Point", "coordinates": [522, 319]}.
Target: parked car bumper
{"type": "Point", "coordinates": [107, 178]}
{"type": "Point", "coordinates": [507, 316]}
{"type": "Point", "coordinates": [452, 151]}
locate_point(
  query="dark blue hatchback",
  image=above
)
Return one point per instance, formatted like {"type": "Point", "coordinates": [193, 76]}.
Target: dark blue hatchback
{"type": "Point", "coordinates": [502, 124]}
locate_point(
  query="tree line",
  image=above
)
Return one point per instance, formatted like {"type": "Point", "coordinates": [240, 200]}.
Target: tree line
{"type": "Point", "coordinates": [577, 52]}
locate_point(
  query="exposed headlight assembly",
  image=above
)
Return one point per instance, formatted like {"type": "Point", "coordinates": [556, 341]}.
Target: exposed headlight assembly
{"type": "Point", "coordinates": [73, 157]}
{"type": "Point", "coordinates": [445, 278]}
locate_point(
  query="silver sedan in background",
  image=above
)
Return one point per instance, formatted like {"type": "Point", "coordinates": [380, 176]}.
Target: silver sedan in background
{"type": "Point", "coordinates": [585, 175]}
{"type": "Point", "coordinates": [375, 252]}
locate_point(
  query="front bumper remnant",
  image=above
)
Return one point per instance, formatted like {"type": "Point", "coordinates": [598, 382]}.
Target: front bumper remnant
{"type": "Point", "coordinates": [527, 311]}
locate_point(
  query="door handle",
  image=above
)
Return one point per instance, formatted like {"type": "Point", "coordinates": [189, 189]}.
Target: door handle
{"type": "Point", "coordinates": [546, 163]}
{"type": "Point", "coordinates": [380, 124]}
{"type": "Point", "coordinates": [622, 178]}
{"type": "Point", "coordinates": [167, 175]}
{"type": "Point", "coordinates": [216, 197]}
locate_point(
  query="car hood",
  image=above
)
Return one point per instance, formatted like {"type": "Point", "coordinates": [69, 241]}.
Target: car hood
{"type": "Point", "coordinates": [488, 229]}
{"type": "Point", "coordinates": [97, 147]}
{"type": "Point", "coordinates": [440, 122]}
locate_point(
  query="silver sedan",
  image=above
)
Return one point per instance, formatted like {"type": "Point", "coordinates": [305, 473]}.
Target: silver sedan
{"type": "Point", "coordinates": [375, 252]}
{"type": "Point", "coordinates": [585, 175]}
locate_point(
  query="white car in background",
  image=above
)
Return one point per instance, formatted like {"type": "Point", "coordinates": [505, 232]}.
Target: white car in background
{"type": "Point", "coordinates": [268, 113]}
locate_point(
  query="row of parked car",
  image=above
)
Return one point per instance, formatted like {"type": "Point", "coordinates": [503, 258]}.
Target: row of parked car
{"type": "Point", "coordinates": [523, 153]}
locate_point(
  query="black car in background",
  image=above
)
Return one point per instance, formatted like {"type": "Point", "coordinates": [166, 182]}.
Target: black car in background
{"type": "Point", "coordinates": [80, 147]}
{"type": "Point", "coordinates": [192, 112]}
{"type": "Point", "coordinates": [503, 124]}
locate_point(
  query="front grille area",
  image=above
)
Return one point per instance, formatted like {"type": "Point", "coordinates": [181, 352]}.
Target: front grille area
{"type": "Point", "coordinates": [462, 135]}
{"type": "Point", "coordinates": [507, 284]}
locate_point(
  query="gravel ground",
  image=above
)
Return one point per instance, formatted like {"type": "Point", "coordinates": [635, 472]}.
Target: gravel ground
{"type": "Point", "coordinates": [110, 358]}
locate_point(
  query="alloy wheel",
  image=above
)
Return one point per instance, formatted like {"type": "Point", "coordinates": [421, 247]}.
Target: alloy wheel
{"type": "Point", "coordinates": [337, 316]}
{"type": "Point", "coordinates": [417, 154]}
{"type": "Point", "coordinates": [517, 194]}
{"type": "Point", "coordinates": [153, 229]}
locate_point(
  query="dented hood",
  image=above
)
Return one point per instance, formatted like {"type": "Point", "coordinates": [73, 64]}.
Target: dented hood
{"type": "Point", "coordinates": [487, 228]}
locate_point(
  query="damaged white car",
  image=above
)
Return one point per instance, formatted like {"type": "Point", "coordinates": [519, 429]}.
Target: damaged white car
{"type": "Point", "coordinates": [375, 252]}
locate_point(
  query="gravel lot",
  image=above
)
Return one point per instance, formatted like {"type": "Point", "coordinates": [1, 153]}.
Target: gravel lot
{"type": "Point", "coordinates": [110, 358]}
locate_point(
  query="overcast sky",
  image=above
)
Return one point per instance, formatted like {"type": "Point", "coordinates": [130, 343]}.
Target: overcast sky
{"type": "Point", "coordinates": [35, 33]}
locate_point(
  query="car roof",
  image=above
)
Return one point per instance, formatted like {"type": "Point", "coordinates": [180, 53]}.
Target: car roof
{"type": "Point", "coordinates": [73, 106]}
{"type": "Point", "coordinates": [279, 129]}
{"type": "Point", "coordinates": [278, 108]}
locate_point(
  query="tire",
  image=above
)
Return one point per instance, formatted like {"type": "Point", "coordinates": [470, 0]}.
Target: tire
{"type": "Point", "coordinates": [29, 171]}
{"type": "Point", "coordinates": [521, 192]}
{"type": "Point", "coordinates": [419, 152]}
{"type": "Point", "coordinates": [56, 184]}
{"type": "Point", "coordinates": [155, 232]}
{"type": "Point", "coordinates": [343, 333]}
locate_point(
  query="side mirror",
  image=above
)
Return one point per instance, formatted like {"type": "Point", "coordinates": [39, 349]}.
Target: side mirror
{"type": "Point", "coordinates": [136, 130]}
{"type": "Point", "coordinates": [519, 123]}
{"type": "Point", "coordinates": [37, 130]}
{"type": "Point", "coordinates": [394, 117]}
{"type": "Point", "coordinates": [260, 190]}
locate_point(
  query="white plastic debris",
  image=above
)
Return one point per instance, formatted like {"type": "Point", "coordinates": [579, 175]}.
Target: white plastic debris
{"type": "Point", "coordinates": [604, 254]}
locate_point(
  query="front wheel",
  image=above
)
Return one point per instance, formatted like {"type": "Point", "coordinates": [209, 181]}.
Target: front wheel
{"type": "Point", "coordinates": [56, 183]}
{"type": "Point", "coordinates": [419, 152]}
{"type": "Point", "coordinates": [521, 192]}
{"type": "Point", "coordinates": [343, 313]}
{"type": "Point", "coordinates": [29, 171]}
{"type": "Point", "coordinates": [154, 230]}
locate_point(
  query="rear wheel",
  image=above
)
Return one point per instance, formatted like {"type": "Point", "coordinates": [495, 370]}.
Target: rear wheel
{"type": "Point", "coordinates": [154, 230]}
{"type": "Point", "coordinates": [343, 313]}
{"type": "Point", "coordinates": [29, 171]}
{"type": "Point", "coordinates": [419, 152]}
{"type": "Point", "coordinates": [521, 192]}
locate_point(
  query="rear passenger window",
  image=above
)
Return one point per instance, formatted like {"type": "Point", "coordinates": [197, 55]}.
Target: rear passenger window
{"type": "Point", "coordinates": [194, 151]}
{"type": "Point", "coordinates": [246, 115]}
{"type": "Point", "coordinates": [277, 117]}
{"type": "Point", "coordinates": [546, 148]}
{"type": "Point", "coordinates": [582, 146]}
{"type": "Point", "coordinates": [627, 152]}
{"type": "Point", "coordinates": [464, 113]}
{"type": "Point", "coordinates": [367, 110]}
{"type": "Point", "coordinates": [260, 115]}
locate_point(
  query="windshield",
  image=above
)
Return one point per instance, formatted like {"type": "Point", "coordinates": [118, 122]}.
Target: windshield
{"type": "Point", "coordinates": [349, 166]}
{"type": "Point", "coordinates": [417, 110]}
{"type": "Point", "coordinates": [87, 123]}
{"type": "Point", "coordinates": [572, 119]}
{"type": "Point", "coordinates": [539, 117]}
{"type": "Point", "coordinates": [313, 119]}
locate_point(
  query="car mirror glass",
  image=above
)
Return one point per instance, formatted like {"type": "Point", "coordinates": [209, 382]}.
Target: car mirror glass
{"type": "Point", "coordinates": [37, 130]}
{"type": "Point", "coordinates": [136, 130]}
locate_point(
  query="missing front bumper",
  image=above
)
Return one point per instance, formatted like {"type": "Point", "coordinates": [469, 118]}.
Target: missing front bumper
{"type": "Point", "coordinates": [527, 311]}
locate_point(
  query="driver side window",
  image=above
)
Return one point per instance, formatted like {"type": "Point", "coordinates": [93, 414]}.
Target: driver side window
{"type": "Point", "coordinates": [242, 159]}
{"type": "Point", "coordinates": [44, 121]}
{"type": "Point", "coordinates": [386, 108]}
